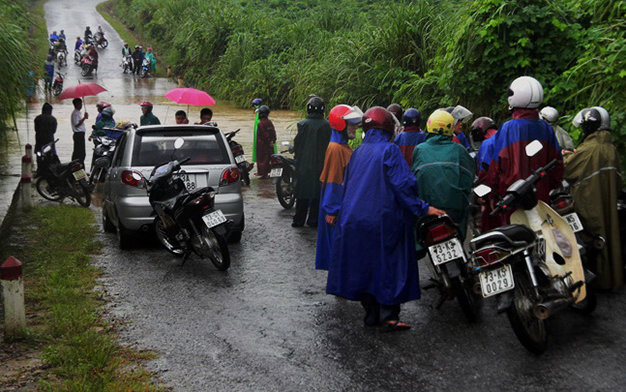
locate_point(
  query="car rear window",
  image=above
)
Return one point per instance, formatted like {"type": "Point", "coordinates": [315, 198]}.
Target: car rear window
{"type": "Point", "coordinates": [153, 148]}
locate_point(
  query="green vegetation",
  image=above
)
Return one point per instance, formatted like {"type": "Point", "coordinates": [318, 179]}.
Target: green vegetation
{"type": "Point", "coordinates": [424, 54]}
{"type": "Point", "coordinates": [78, 344]}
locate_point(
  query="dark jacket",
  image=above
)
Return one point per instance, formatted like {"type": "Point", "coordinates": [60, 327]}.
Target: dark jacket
{"type": "Point", "coordinates": [45, 127]}
{"type": "Point", "coordinates": [309, 151]}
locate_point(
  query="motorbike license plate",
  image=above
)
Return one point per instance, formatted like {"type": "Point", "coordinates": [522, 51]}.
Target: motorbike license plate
{"type": "Point", "coordinates": [79, 174]}
{"type": "Point", "coordinates": [496, 281]}
{"type": "Point", "coordinates": [214, 218]}
{"type": "Point", "coordinates": [446, 251]}
{"type": "Point", "coordinates": [574, 222]}
{"type": "Point", "coordinates": [240, 158]}
{"type": "Point", "coordinates": [276, 172]}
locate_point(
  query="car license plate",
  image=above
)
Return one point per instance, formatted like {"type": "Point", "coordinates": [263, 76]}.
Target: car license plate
{"type": "Point", "coordinates": [79, 174]}
{"type": "Point", "coordinates": [446, 251]}
{"type": "Point", "coordinates": [276, 172]}
{"type": "Point", "coordinates": [194, 181]}
{"type": "Point", "coordinates": [214, 218]}
{"type": "Point", "coordinates": [574, 222]}
{"type": "Point", "coordinates": [240, 158]}
{"type": "Point", "coordinates": [496, 281]}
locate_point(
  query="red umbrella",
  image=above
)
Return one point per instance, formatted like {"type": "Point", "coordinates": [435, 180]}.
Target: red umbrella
{"type": "Point", "coordinates": [190, 96]}
{"type": "Point", "coordinates": [82, 90]}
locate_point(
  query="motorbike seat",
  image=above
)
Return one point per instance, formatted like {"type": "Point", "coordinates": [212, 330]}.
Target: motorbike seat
{"type": "Point", "coordinates": [507, 236]}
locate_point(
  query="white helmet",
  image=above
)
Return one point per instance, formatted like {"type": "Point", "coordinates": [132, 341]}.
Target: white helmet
{"type": "Point", "coordinates": [604, 115]}
{"type": "Point", "coordinates": [549, 114]}
{"type": "Point", "coordinates": [578, 118]}
{"type": "Point", "coordinates": [460, 113]}
{"type": "Point", "coordinates": [525, 92]}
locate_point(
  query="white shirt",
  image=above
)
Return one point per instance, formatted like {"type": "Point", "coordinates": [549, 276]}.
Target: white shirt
{"type": "Point", "coordinates": [76, 117]}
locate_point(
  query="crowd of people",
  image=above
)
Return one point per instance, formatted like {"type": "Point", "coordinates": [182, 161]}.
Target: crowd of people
{"type": "Point", "coordinates": [364, 193]}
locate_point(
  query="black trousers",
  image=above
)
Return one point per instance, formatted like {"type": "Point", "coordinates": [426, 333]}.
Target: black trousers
{"type": "Point", "coordinates": [79, 147]}
{"type": "Point", "coordinates": [376, 313]}
{"type": "Point", "coordinates": [307, 210]}
{"type": "Point", "coordinates": [136, 66]}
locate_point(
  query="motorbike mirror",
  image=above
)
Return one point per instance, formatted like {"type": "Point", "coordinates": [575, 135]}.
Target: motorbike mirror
{"type": "Point", "coordinates": [533, 148]}
{"type": "Point", "coordinates": [482, 190]}
{"type": "Point", "coordinates": [285, 143]}
{"type": "Point", "coordinates": [178, 143]}
{"type": "Point", "coordinates": [46, 149]}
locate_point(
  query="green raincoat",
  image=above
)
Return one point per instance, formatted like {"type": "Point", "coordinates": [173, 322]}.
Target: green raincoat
{"type": "Point", "coordinates": [309, 151]}
{"type": "Point", "coordinates": [445, 173]}
{"type": "Point", "coordinates": [594, 172]}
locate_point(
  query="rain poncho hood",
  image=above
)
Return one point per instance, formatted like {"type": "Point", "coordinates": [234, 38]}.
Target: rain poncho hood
{"type": "Point", "coordinates": [374, 250]}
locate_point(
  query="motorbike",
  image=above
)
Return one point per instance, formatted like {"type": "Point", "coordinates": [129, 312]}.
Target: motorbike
{"type": "Point", "coordinates": [57, 84]}
{"type": "Point", "coordinates": [450, 271]}
{"type": "Point", "coordinates": [127, 64]}
{"type": "Point", "coordinates": [240, 158]}
{"type": "Point", "coordinates": [100, 40]}
{"type": "Point", "coordinates": [186, 221]}
{"type": "Point", "coordinates": [101, 160]}
{"type": "Point", "coordinates": [283, 171]}
{"type": "Point", "coordinates": [145, 67]}
{"type": "Point", "coordinates": [78, 56]}
{"type": "Point", "coordinates": [532, 266]}
{"type": "Point", "coordinates": [60, 180]}
{"type": "Point", "coordinates": [88, 64]}
{"type": "Point", "coordinates": [61, 58]}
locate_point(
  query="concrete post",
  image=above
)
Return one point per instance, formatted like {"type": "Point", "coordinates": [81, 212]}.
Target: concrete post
{"type": "Point", "coordinates": [13, 295]}
{"type": "Point", "coordinates": [29, 154]}
{"type": "Point", "coordinates": [26, 192]}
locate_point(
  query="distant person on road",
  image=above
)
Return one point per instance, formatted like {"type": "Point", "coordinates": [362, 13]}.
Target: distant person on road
{"type": "Point", "coordinates": [150, 56]}
{"type": "Point", "coordinates": [45, 128]}
{"type": "Point", "coordinates": [266, 139]}
{"type": "Point", "coordinates": [62, 35]}
{"type": "Point", "coordinates": [54, 37]}
{"type": "Point", "coordinates": [78, 127]}
{"type": "Point", "coordinates": [88, 36]}
{"type": "Point", "coordinates": [93, 53]}
{"type": "Point", "coordinates": [148, 118]}
{"type": "Point", "coordinates": [256, 103]}
{"type": "Point", "coordinates": [310, 147]}
{"type": "Point", "coordinates": [137, 59]}
{"type": "Point", "coordinates": [49, 68]}
{"type": "Point", "coordinates": [181, 117]}
{"type": "Point", "coordinates": [78, 45]}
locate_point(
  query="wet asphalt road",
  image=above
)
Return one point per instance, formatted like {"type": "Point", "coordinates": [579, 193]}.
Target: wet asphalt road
{"type": "Point", "coordinates": [267, 325]}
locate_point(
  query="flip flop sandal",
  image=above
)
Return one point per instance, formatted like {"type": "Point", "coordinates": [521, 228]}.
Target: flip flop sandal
{"type": "Point", "coordinates": [394, 325]}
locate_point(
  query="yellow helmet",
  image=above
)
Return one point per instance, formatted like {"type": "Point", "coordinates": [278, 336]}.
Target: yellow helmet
{"type": "Point", "coordinates": [440, 122]}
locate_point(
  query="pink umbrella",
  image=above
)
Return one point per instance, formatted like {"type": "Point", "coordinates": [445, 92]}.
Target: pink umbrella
{"type": "Point", "coordinates": [190, 96]}
{"type": "Point", "coordinates": [82, 90]}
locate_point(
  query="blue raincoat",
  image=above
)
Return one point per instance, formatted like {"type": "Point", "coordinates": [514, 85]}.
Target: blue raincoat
{"type": "Point", "coordinates": [374, 247]}
{"type": "Point", "coordinates": [337, 157]}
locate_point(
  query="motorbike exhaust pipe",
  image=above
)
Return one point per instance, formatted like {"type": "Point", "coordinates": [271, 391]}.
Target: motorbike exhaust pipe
{"type": "Point", "coordinates": [546, 309]}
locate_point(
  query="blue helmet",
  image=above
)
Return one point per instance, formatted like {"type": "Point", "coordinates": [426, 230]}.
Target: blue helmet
{"type": "Point", "coordinates": [257, 101]}
{"type": "Point", "coordinates": [412, 116]}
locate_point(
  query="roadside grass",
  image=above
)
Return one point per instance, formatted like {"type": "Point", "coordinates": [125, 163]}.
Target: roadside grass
{"type": "Point", "coordinates": [106, 10]}
{"type": "Point", "coordinates": [79, 345]}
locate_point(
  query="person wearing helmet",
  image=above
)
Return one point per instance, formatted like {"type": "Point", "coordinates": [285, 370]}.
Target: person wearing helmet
{"type": "Point", "coordinates": [148, 118]}
{"type": "Point", "coordinates": [62, 34]}
{"type": "Point", "coordinates": [137, 59]}
{"type": "Point", "coordinates": [595, 177]}
{"type": "Point", "coordinates": [266, 139]}
{"type": "Point", "coordinates": [397, 111]}
{"type": "Point", "coordinates": [53, 37]}
{"type": "Point", "coordinates": [551, 115]}
{"type": "Point", "coordinates": [461, 116]}
{"type": "Point", "coordinates": [88, 36]}
{"type": "Point", "coordinates": [482, 130]}
{"type": "Point", "coordinates": [106, 121]}
{"type": "Point", "coordinates": [150, 56]}
{"type": "Point", "coordinates": [444, 170]}
{"type": "Point", "coordinates": [509, 161]}
{"type": "Point", "coordinates": [309, 147]}
{"type": "Point", "coordinates": [78, 45]}
{"type": "Point", "coordinates": [49, 69]}
{"type": "Point", "coordinates": [411, 136]}
{"type": "Point", "coordinates": [99, 107]}
{"type": "Point", "coordinates": [373, 254]}
{"type": "Point", "coordinates": [344, 121]}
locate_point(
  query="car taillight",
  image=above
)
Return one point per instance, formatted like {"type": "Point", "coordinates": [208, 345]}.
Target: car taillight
{"type": "Point", "coordinates": [229, 176]}
{"type": "Point", "coordinates": [439, 233]}
{"type": "Point", "coordinates": [489, 256]}
{"type": "Point", "coordinates": [128, 179]}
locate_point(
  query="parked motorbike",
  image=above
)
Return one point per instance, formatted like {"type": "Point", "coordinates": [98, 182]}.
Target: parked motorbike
{"type": "Point", "coordinates": [284, 173]}
{"type": "Point", "coordinates": [449, 267]}
{"type": "Point", "coordinates": [60, 180]}
{"type": "Point", "coordinates": [100, 40]}
{"type": "Point", "coordinates": [88, 64]}
{"type": "Point", "coordinates": [101, 161]}
{"type": "Point", "coordinates": [186, 221]}
{"type": "Point", "coordinates": [61, 58]}
{"type": "Point", "coordinates": [127, 64]}
{"type": "Point", "coordinates": [532, 266]}
{"type": "Point", "coordinates": [145, 67]}
{"type": "Point", "coordinates": [57, 84]}
{"type": "Point", "coordinates": [78, 56]}
{"type": "Point", "coordinates": [237, 149]}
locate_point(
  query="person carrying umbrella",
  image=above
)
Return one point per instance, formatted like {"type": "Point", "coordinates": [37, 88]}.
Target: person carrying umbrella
{"type": "Point", "coordinates": [148, 118]}
{"type": "Point", "coordinates": [78, 127]}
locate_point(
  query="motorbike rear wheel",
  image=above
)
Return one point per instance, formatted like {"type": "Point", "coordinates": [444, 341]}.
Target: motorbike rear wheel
{"type": "Point", "coordinates": [214, 247]}
{"type": "Point", "coordinates": [76, 58]}
{"type": "Point", "coordinates": [171, 244]}
{"type": "Point", "coordinates": [466, 299]}
{"type": "Point", "coordinates": [86, 70]}
{"type": "Point", "coordinates": [81, 193]}
{"type": "Point", "coordinates": [47, 191]}
{"type": "Point", "coordinates": [104, 43]}
{"type": "Point", "coordinates": [285, 191]}
{"type": "Point", "coordinates": [530, 331]}
{"type": "Point", "coordinates": [57, 89]}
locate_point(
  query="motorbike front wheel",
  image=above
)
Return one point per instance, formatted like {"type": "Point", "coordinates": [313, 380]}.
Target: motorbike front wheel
{"type": "Point", "coordinates": [86, 70]}
{"type": "Point", "coordinates": [57, 89]}
{"type": "Point", "coordinates": [47, 191]}
{"type": "Point", "coordinates": [284, 191]}
{"type": "Point", "coordinates": [214, 247]}
{"type": "Point", "coordinates": [81, 194]}
{"type": "Point", "coordinates": [530, 331]}
{"type": "Point", "coordinates": [466, 299]}
{"type": "Point", "coordinates": [104, 43]}
{"type": "Point", "coordinates": [144, 73]}
{"type": "Point", "coordinates": [76, 58]}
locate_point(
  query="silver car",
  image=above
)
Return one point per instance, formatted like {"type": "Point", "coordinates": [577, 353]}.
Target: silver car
{"type": "Point", "coordinates": [126, 208]}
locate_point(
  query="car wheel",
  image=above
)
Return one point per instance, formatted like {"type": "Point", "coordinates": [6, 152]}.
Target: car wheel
{"type": "Point", "coordinates": [123, 236]}
{"type": "Point", "coordinates": [107, 225]}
